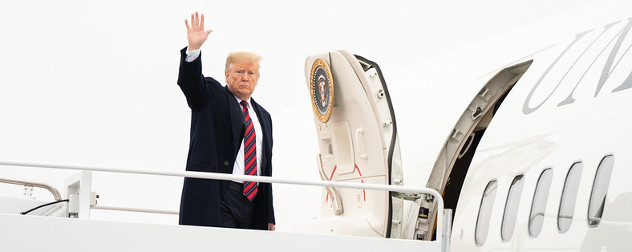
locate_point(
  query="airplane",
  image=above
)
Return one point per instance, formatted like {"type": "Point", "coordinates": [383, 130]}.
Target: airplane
{"type": "Point", "coordinates": [535, 161]}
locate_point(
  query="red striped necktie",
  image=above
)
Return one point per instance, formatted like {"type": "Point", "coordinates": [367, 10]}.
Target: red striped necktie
{"type": "Point", "coordinates": [250, 153]}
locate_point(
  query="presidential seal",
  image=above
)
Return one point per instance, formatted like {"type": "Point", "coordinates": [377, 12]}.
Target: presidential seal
{"type": "Point", "coordinates": [322, 90]}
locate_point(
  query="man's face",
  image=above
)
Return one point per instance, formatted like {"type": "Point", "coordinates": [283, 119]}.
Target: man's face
{"type": "Point", "coordinates": [242, 79]}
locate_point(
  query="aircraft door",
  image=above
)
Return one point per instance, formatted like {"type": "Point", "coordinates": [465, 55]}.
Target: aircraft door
{"type": "Point", "coordinates": [452, 164]}
{"type": "Point", "coordinates": [357, 137]}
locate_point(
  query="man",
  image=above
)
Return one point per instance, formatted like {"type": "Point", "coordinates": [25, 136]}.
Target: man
{"type": "Point", "coordinates": [230, 133]}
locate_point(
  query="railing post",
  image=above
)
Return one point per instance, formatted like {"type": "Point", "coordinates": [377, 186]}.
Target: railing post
{"type": "Point", "coordinates": [79, 189]}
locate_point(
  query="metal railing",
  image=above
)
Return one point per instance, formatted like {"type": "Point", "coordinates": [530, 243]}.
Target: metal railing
{"type": "Point", "coordinates": [134, 209]}
{"type": "Point", "coordinates": [51, 189]}
{"type": "Point", "coordinates": [264, 179]}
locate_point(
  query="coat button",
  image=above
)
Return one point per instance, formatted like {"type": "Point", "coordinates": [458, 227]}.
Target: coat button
{"type": "Point", "coordinates": [225, 163]}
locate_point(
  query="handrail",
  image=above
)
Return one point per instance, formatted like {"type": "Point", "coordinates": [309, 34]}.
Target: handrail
{"type": "Point", "coordinates": [264, 179]}
{"type": "Point", "coordinates": [131, 209]}
{"type": "Point", "coordinates": [51, 189]}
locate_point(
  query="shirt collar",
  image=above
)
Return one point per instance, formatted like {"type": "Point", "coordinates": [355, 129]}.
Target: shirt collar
{"type": "Point", "coordinates": [249, 101]}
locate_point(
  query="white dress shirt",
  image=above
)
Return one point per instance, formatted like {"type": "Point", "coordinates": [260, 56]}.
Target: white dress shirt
{"type": "Point", "coordinates": [238, 168]}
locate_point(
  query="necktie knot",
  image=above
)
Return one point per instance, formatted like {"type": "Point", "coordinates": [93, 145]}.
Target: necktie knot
{"type": "Point", "coordinates": [244, 104]}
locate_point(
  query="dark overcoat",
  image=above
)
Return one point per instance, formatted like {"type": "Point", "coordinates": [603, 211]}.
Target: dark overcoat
{"type": "Point", "coordinates": [217, 129]}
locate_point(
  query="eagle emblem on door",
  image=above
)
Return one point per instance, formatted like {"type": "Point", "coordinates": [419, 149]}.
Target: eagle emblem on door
{"type": "Point", "coordinates": [322, 89]}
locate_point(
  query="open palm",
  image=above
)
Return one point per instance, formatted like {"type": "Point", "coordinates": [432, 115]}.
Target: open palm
{"type": "Point", "coordinates": [195, 32]}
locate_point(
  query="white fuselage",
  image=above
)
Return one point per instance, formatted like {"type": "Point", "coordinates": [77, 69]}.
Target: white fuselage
{"type": "Point", "coordinates": [572, 105]}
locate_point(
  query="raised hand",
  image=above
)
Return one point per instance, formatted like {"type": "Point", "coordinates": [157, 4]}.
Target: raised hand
{"type": "Point", "coordinates": [195, 32]}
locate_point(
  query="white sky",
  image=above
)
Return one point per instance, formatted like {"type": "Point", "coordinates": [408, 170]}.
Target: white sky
{"type": "Point", "coordinates": [94, 82]}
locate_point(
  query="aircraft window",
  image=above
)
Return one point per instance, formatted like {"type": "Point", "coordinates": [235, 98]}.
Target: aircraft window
{"type": "Point", "coordinates": [599, 190]}
{"type": "Point", "coordinates": [541, 194]}
{"type": "Point", "coordinates": [511, 208]}
{"type": "Point", "coordinates": [569, 195]}
{"type": "Point", "coordinates": [485, 213]}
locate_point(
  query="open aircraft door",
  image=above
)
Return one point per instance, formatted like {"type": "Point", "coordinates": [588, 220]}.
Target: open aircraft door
{"type": "Point", "coordinates": [453, 162]}
{"type": "Point", "coordinates": [357, 135]}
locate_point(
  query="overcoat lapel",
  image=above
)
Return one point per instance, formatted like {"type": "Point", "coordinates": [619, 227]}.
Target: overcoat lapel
{"type": "Point", "coordinates": [265, 128]}
{"type": "Point", "coordinates": [236, 119]}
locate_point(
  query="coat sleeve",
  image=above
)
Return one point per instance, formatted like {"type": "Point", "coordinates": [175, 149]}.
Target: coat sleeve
{"type": "Point", "coordinates": [191, 80]}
